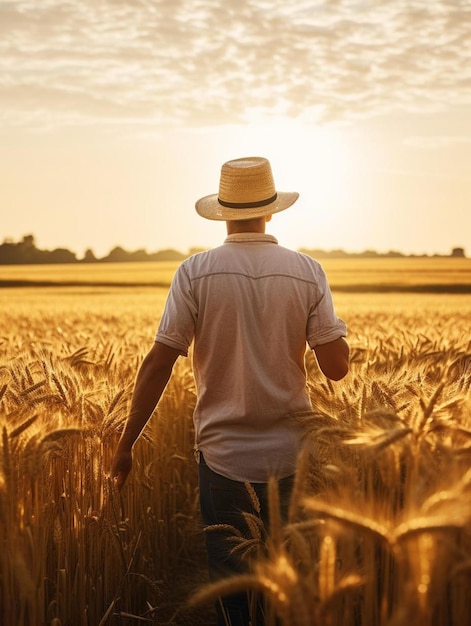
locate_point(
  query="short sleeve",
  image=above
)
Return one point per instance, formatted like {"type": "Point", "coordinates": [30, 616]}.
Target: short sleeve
{"type": "Point", "coordinates": [323, 324]}
{"type": "Point", "coordinates": [177, 325]}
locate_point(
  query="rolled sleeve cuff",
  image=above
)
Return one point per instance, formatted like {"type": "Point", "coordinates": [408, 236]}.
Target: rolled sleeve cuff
{"type": "Point", "coordinates": [329, 334]}
{"type": "Point", "coordinates": [172, 343]}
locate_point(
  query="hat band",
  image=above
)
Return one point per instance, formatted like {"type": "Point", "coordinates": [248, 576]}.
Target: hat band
{"type": "Point", "coordinates": [247, 205]}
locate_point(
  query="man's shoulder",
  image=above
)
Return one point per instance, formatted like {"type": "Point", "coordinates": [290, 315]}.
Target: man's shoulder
{"type": "Point", "coordinates": [199, 260]}
{"type": "Point", "coordinates": [202, 255]}
{"type": "Point", "coordinates": [300, 258]}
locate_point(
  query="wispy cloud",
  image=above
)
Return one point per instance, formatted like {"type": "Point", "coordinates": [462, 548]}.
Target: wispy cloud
{"type": "Point", "coordinates": [205, 62]}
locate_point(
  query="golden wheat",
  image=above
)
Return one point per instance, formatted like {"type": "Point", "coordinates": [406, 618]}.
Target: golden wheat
{"type": "Point", "coordinates": [378, 527]}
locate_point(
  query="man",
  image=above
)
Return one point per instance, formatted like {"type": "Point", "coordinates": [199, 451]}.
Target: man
{"type": "Point", "coordinates": [248, 307]}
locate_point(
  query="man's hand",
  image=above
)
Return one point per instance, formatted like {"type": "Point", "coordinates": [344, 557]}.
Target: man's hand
{"type": "Point", "coordinates": [121, 466]}
{"type": "Point", "coordinates": [152, 378]}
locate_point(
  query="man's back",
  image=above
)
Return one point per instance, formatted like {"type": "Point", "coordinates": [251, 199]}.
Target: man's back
{"type": "Point", "coordinates": [252, 306]}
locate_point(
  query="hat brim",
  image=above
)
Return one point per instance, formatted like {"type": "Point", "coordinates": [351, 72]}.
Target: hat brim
{"type": "Point", "coordinates": [210, 208]}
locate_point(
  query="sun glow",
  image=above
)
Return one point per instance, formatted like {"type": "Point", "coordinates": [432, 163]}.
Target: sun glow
{"type": "Point", "coordinates": [313, 160]}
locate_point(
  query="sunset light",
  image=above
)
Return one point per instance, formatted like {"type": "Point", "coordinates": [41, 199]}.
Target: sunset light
{"type": "Point", "coordinates": [235, 312]}
{"type": "Point", "coordinates": [116, 117]}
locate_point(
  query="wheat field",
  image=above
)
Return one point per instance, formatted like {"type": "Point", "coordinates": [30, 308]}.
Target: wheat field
{"type": "Point", "coordinates": [382, 274]}
{"type": "Point", "coordinates": [379, 526]}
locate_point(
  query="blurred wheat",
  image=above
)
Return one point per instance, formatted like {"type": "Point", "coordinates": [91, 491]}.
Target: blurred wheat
{"type": "Point", "coordinates": [378, 529]}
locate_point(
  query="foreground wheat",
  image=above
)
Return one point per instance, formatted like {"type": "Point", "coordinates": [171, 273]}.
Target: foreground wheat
{"type": "Point", "coordinates": [378, 530]}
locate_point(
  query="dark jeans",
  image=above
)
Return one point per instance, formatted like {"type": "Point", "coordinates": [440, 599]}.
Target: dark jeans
{"type": "Point", "coordinates": [222, 501]}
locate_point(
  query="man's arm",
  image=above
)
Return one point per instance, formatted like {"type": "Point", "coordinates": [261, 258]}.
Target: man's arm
{"type": "Point", "coordinates": [151, 381]}
{"type": "Point", "coordinates": [333, 358]}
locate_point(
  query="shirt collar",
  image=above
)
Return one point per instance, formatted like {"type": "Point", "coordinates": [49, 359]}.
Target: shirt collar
{"type": "Point", "coordinates": [250, 237]}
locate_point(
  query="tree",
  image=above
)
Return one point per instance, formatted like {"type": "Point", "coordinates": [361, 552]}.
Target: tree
{"type": "Point", "coordinates": [89, 256]}
{"type": "Point", "coordinates": [28, 241]}
{"type": "Point", "coordinates": [59, 255]}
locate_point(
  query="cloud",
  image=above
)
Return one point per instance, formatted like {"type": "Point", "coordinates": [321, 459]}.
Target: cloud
{"type": "Point", "coordinates": [191, 62]}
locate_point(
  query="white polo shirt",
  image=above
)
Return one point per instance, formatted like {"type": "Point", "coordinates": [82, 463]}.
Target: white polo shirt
{"type": "Point", "coordinates": [250, 306]}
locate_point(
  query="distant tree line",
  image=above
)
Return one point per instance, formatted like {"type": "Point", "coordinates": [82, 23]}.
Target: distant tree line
{"type": "Point", "coordinates": [25, 252]}
{"type": "Point", "coordinates": [372, 254]}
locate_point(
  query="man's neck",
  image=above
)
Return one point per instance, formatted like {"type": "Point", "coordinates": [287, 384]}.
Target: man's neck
{"type": "Point", "coordinates": [256, 225]}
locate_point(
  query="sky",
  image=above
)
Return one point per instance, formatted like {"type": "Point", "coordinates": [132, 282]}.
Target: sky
{"type": "Point", "coordinates": [116, 116]}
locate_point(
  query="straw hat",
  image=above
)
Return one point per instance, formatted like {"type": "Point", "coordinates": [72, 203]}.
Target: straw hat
{"type": "Point", "coordinates": [246, 190]}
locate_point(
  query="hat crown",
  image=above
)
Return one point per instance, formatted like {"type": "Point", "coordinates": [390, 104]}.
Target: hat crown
{"type": "Point", "coordinates": [246, 180]}
{"type": "Point", "coordinates": [246, 191]}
